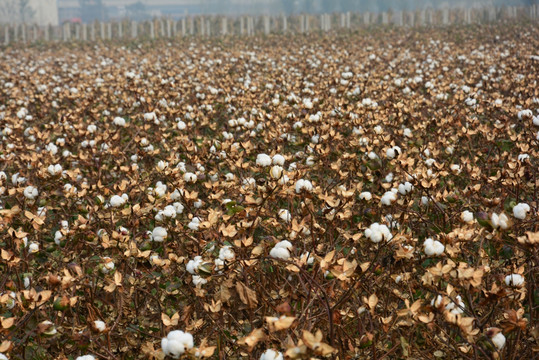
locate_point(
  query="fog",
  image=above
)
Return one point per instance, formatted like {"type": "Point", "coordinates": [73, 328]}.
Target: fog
{"type": "Point", "coordinates": [52, 12]}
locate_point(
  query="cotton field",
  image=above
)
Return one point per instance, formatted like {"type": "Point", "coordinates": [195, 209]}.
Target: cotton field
{"type": "Point", "coordinates": [371, 194]}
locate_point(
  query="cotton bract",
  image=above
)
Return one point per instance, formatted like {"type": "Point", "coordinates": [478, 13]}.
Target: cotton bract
{"type": "Point", "coordinates": [176, 342]}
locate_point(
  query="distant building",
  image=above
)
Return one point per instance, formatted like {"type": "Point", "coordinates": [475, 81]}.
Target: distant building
{"type": "Point", "coordinates": [39, 12]}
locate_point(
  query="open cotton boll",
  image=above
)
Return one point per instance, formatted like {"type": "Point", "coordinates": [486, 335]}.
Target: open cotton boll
{"type": "Point", "coordinates": [119, 121]}
{"type": "Point", "coordinates": [524, 114]}
{"type": "Point", "coordinates": [521, 210]}
{"type": "Point", "coordinates": [394, 151]}
{"type": "Point", "coordinates": [467, 216]}
{"type": "Point", "coordinates": [169, 211]}
{"type": "Point", "coordinates": [99, 325]}
{"type": "Point", "coordinates": [190, 177]}
{"type": "Point", "coordinates": [499, 221]}
{"type": "Point", "coordinates": [192, 265]}
{"type": "Point", "coordinates": [281, 250]}
{"type": "Point", "coordinates": [303, 185]}
{"type": "Point", "coordinates": [285, 215]}
{"type": "Point", "coordinates": [33, 248]}
{"type": "Point", "coordinates": [194, 224]}
{"type": "Point", "coordinates": [497, 338]}
{"type": "Point", "coordinates": [407, 133]}
{"type": "Point", "coordinates": [271, 354]}
{"type": "Point", "coordinates": [523, 157]}
{"type": "Point", "coordinates": [276, 171]}
{"type": "Point", "coordinates": [456, 308]}
{"type": "Point", "coordinates": [514, 280]}
{"type": "Point", "coordinates": [54, 169]}
{"type": "Point", "coordinates": [433, 247]}
{"type": "Point", "coordinates": [199, 280]}
{"type": "Point", "coordinates": [365, 195]}
{"type": "Point", "coordinates": [388, 198]}
{"type": "Point", "coordinates": [30, 192]}
{"type": "Point", "coordinates": [278, 159]}
{"type": "Point", "coordinates": [85, 357]}
{"type": "Point", "coordinates": [405, 188]}
{"type": "Point", "coordinates": [159, 234]}
{"type": "Point", "coordinates": [176, 342]}
{"type": "Point", "coordinates": [263, 160]}
{"type": "Point", "coordinates": [116, 200]}
{"type": "Point", "coordinates": [226, 253]}
{"type": "Point", "coordinates": [377, 233]}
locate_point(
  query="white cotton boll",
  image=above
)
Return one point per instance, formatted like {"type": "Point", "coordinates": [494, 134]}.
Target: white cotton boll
{"type": "Point", "coordinates": [524, 114]}
{"type": "Point", "coordinates": [85, 357]}
{"type": "Point", "coordinates": [119, 121]}
{"type": "Point", "coordinates": [378, 129]}
{"type": "Point", "coordinates": [407, 133]}
{"type": "Point", "coordinates": [280, 253]}
{"type": "Point", "coordinates": [33, 247]}
{"type": "Point", "coordinates": [523, 157]}
{"type": "Point", "coordinates": [433, 247]}
{"type": "Point", "coordinates": [437, 302]}
{"type": "Point", "coordinates": [54, 169]}
{"type": "Point", "coordinates": [100, 325]}
{"type": "Point", "coordinates": [521, 210]}
{"type": "Point", "coordinates": [388, 198]}
{"type": "Point", "coordinates": [405, 188]}
{"type": "Point", "coordinates": [456, 308]}
{"type": "Point", "coordinates": [159, 234]}
{"type": "Point", "coordinates": [498, 340]}
{"type": "Point", "coordinates": [372, 155]}
{"type": "Point", "coordinates": [284, 180]}
{"type": "Point", "coordinates": [393, 152]}
{"type": "Point", "coordinates": [116, 201]}
{"type": "Point", "coordinates": [178, 207]}
{"type": "Point", "coordinates": [514, 280]}
{"type": "Point", "coordinates": [377, 233]}
{"type": "Point", "coordinates": [3, 357]}
{"type": "Point", "coordinates": [229, 177]}
{"type": "Point", "coordinates": [226, 253]}
{"type": "Point", "coordinates": [190, 177]}
{"type": "Point", "coordinates": [30, 192]}
{"type": "Point", "coordinates": [276, 171]}
{"type": "Point", "coordinates": [52, 148]}
{"type": "Point", "coordinates": [176, 342]}
{"type": "Point", "coordinates": [281, 250]}
{"type": "Point", "coordinates": [365, 195]}
{"type": "Point", "coordinates": [467, 216]}
{"type": "Point", "coordinates": [162, 165]}
{"type": "Point", "coordinates": [285, 215]}
{"type": "Point", "coordinates": [150, 116]}
{"type": "Point", "coordinates": [199, 280]}
{"type": "Point", "coordinates": [181, 125]}
{"type": "Point", "coordinates": [278, 159]}
{"type": "Point", "coordinates": [192, 265]}
{"type": "Point", "coordinates": [194, 224]}
{"type": "Point", "coordinates": [271, 354]}
{"type": "Point", "coordinates": [536, 120]}
{"type": "Point", "coordinates": [303, 185]}
{"type": "Point", "coordinates": [430, 162]}
{"type": "Point", "coordinates": [455, 168]}
{"type": "Point", "coordinates": [169, 211]}
{"type": "Point", "coordinates": [263, 160]}
{"type": "Point", "coordinates": [389, 177]}
{"type": "Point", "coordinates": [424, 200]}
